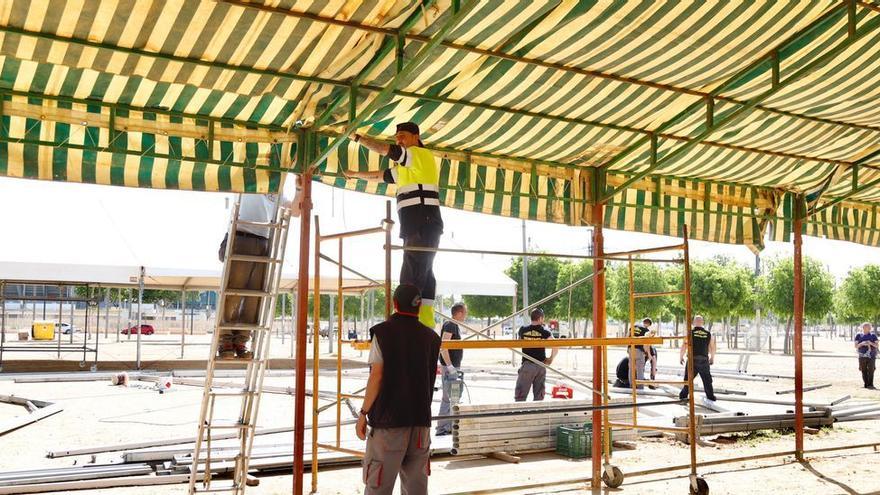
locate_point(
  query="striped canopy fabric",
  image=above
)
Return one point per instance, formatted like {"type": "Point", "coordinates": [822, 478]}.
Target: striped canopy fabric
{"type": "Point", "coordinates": [714, 115]}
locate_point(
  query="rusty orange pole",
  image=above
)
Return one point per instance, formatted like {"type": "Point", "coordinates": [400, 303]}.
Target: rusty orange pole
{"type": "Point", "coordinates": [798, 338]}
{"type": "Point", "coordinates": [598, 332]}
{"type": "Point", "coordinates": [302, 310]}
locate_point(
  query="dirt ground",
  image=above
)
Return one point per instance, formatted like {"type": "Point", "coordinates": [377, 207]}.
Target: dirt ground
{"type": "Point", "coordinates": [96, 413]}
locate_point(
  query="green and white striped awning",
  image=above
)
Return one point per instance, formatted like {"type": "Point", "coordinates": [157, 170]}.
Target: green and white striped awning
{"type": "Point", "coordinates": [710, 114]}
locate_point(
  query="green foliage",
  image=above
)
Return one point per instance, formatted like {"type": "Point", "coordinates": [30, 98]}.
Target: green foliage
{"type": "Point", "coordinates": [860, 295]}
{"type": "Point", "coordinates": [721, 288]}
{"type": "Point", "coordinates": [543, 273]}
{"type": "Point", "coordinates": [843, 309]}
{"type": "Point", "coordinates": [580, 299]}
{"type": "Point", "coordinates": [487, 306]}
{"type": "Point", "coordinates": [777, 288]}
{"type": "Point", "coordinates": [647, 277]}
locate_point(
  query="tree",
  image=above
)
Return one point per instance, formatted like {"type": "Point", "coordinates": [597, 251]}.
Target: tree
{"type": "Point", "coordinates": [861, 291]}
{"type": "Point", "coordinates": [543, 272]}
{"type": "Point", "coordinates": [777, 291]}
{"type": "Point", "coordinates": [487, 306]}
{"type": "Point", "coordinates": [720, 288]}
{"type": "Point", "coordinates": [647, 277]}
{"type": "Point", "coordinates": [577, 303]}
{"type": "Point", "coordinates": [843, 311]}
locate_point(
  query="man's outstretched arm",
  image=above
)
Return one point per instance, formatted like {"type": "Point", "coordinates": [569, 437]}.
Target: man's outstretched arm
{"type": "Point", "coordinates": [375, 146]}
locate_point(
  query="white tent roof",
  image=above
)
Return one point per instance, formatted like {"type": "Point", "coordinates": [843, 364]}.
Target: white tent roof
{"type": "Point", "coordinates": [99, 234]}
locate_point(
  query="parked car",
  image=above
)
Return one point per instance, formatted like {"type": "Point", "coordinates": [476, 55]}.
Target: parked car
{"type": "Point", "coordinates": [66, 328]}
{"type": "Point", "coordinates": [145, 330]}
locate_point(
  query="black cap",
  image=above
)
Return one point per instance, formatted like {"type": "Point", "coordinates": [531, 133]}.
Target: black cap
{"type": "Point", "coordinates": [410, 127]}
{"type": "Point", "coordinates": [537, 314]}
{"type": "Point", "coordinates": [408, 298]}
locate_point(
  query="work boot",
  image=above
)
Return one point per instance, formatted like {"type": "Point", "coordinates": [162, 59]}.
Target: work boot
{"type": "Point", "coordinates": [243, 353]}
{"type": "Point", "coordinates": [226, 351]}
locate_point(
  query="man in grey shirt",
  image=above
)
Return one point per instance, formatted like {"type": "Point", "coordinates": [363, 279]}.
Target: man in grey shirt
{"type": "Point", "coordinates": [250, 240]}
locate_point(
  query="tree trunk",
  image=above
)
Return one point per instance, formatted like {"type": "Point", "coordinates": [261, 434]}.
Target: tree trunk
{"type": "Point", "coordinates": [786, 345]}
{"type": "Point", "coordinates": [736, 333]}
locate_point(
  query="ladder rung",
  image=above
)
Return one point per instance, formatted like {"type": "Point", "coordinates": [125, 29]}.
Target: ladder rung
{"type": "Point", "coordinates": [253, 259]}
{"type": "Point", "coordinates": [247, 293]}
{"type": "Point", "coordinates": [264, 225]}
{"type": "Point", "coordinates": [228, 425]}
{"type": "Point", "coordinates": [242, 326]}
{"type": "Point", "coordinates": [232, 392]}
{"type": "Point", "coordinates": [231, 488]}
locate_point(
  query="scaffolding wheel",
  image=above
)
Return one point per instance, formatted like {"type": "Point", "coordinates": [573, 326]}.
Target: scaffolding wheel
{"type": "Point", "coordinates": [699, 486]}
{"type": "Point", "coordinates": [82, 364]}
{"type": "Point", "coordinates": [93, 368]}
{"type": "Point", "coordinates": [612, 476]}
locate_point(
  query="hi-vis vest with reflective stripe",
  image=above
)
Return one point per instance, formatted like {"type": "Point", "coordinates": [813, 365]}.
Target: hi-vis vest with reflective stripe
{"type": "Point", "coordinates": [418, 177]}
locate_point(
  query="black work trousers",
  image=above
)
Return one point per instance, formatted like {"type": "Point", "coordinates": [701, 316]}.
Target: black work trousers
{"type": "Point", "coordinates": [701, 368]}
{"type": "Point", "coordinates": [866, 366]}
{"type": "Point", "coordinates": [418, 266]}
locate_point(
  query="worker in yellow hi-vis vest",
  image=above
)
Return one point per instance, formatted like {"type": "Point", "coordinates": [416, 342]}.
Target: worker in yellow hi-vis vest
{"type": "Point", "coordinates": [417, 176]}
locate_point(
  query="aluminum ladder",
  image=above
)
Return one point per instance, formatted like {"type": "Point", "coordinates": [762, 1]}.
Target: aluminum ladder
{"type": "Point", "coordinates": [237, 459]}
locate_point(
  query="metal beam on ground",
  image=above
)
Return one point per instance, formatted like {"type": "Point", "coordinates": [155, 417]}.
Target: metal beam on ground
{"type": "Point", "coordinates": [401, 78]}
{"type": "Point", "coordinates": [802, 36]}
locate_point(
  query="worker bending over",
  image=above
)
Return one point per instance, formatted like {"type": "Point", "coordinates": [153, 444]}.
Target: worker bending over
{"type": "Point", "coordinates": [417, 176]}
{"type": "Point", "coordinates": [531, 375]}
{"type": "Point", "coordinates": [397, 402]}
{"type": "Point", "coordinates": [704, 356]}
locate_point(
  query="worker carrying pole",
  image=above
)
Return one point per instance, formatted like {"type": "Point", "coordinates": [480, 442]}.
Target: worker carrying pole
{"type": "Point", "coordinates": [417, 176]}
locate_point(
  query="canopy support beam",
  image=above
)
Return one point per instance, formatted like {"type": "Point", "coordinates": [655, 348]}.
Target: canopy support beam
{"type": "Point", "coordinates": [856, 188]}
{"type": "Point", "coordinates": [800, 213]}
{"type": "Point", "coordinates": [804, 36]}
{"type": "Point", "coordinates": [302, 309]}
{"type": "Point", "coordinates": [501, 55]}
{"type": "Point", "coordinates": [597, 218]}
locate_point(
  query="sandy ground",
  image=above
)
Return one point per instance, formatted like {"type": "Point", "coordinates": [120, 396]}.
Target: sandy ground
{"type": "Point", "coordinates": [95, 413]}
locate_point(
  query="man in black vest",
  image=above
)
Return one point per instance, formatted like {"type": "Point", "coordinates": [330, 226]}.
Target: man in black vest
{"type": "Point", "coordinates": [704, 356]}
{"type": "Point", "coordinates": [397, 403]}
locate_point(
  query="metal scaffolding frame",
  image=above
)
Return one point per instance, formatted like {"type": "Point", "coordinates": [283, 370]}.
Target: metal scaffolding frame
{"type": "Point", "coordinates": [58, 346]}
{"type": "Point", "coordinates": [387, 224]}
{"type": "Point", "coordinates": [611, 475]}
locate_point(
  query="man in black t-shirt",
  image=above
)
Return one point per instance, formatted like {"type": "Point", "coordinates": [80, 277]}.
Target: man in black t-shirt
{"type": "Point", "coordinates": [397, 402]}
{"type": "Point", "coordinates": [450, 364]}
{"type": "Point", "coordinates": [531, 376]}
{"type": "Point", "coordinates": [704, 356]}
